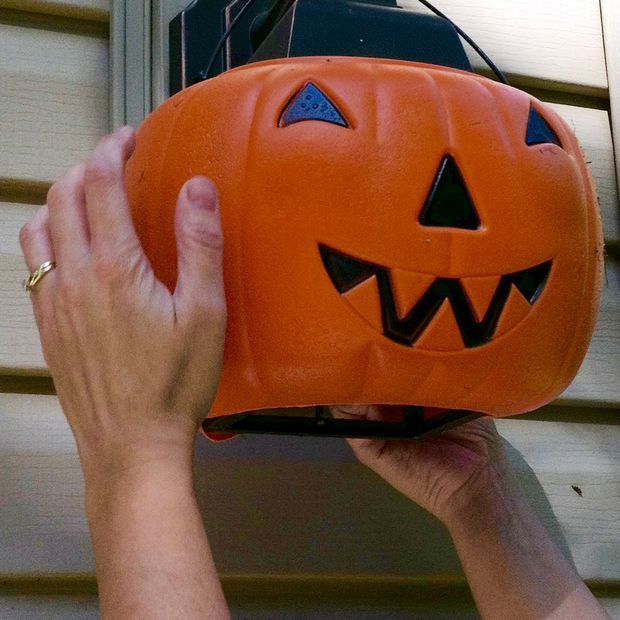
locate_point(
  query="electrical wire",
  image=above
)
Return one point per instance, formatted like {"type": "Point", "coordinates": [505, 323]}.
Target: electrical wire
{"type": "Point", "coordinates": [502, 78]}
{"type": "Point", "coordinates": [218, 48]}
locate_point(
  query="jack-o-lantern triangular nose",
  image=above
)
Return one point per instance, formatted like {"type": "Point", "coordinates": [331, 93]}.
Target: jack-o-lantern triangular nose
{"type": "Point", "coordinates": [449, 204]}
{"type": "Point", "coordinates": [311, 104]}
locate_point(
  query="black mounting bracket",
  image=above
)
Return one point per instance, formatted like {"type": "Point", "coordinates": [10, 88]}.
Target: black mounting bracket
{"type": "Point", "coordinates": [290, 28]}
{"type": "Point", "coordinates": [318, 422]}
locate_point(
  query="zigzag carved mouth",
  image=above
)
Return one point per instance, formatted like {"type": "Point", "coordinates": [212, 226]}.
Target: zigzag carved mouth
{"type": "Point", "coordinates": [347, 272]}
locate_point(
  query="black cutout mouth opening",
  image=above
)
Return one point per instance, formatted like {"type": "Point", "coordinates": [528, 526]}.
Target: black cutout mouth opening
{"type": "Point", "coordinates": [347, 272]}
{"type": "Point", "coordinates": [416, 422]}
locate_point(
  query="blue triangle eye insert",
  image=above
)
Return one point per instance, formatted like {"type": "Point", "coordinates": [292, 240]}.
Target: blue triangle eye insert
{"type": "Point", "coordinates": [539, 131]}
{"type": "Point", "coordinates": [311, 104]}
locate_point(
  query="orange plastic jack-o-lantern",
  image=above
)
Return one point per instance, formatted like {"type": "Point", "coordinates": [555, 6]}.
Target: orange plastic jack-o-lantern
{"type": "Point", "coordinates": [395, 233]}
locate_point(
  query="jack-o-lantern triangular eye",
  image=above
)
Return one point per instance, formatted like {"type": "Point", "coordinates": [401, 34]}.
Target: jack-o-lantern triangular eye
{"type": "Point", "coordinates": [449, 204]}
{"type": "Point", "coordinates": [311, 104]}
{"type": "Point", "coordinates": [539, 131]}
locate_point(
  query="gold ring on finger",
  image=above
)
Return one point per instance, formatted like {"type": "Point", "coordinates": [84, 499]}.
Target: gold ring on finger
{"type": "Point", "coordinates": [37, 274]}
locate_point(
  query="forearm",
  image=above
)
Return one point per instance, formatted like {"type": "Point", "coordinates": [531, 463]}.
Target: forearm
{"type": "Point", "coordinates": [152, 555]}
{"type": "Point", "coordinates": [514, 569]}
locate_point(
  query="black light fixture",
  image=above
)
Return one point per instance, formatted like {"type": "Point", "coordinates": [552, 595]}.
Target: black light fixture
{"type": "Point", "coordinates": [212, 36]}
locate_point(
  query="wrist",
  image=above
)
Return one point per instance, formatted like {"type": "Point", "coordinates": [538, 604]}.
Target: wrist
{"type": "Point", "coordinates": [116, 476]}
{"type": "Point", "coordinates": [109, 451]}
{"type": "Point", "coordinates": [505, 551]}
{"type": "Point", "coordinates": [492, 508]}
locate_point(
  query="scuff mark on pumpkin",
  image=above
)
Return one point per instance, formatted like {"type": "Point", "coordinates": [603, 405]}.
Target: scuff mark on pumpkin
{"type": "Point", "coordinates": [546, 149]}
{"type": "Point", "coordinates": [577, 490]}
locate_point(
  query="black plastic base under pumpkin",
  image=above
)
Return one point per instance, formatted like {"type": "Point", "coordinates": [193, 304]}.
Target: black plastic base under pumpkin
{"type": "Point", "coordinates": [415, 424]}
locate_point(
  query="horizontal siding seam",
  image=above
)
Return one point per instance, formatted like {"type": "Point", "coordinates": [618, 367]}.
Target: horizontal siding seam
{"type": "Point", "coordinates": [55, 23]}
{"type": "Point", "coordinates": [264, 586]}
{"type": "Point", "coordinates": [92, 10]}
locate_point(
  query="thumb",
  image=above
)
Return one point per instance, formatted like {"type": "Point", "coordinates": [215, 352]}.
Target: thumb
{"type": "Point", "coordinates": [362, 448]}
{"type": "Point", "coordinates": [200, 281]}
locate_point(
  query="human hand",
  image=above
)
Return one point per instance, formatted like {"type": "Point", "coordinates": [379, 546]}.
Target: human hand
{"type": "Point", "coordinates": [447, 474]}
{"type": "Point", "coordinates": [462, 477]}
{"type": "Point", "coordinates": [136, 368]}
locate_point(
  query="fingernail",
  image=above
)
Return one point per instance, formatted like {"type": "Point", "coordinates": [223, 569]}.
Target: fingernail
{"type": "Point", "coordinates": [357, 410]}
{"type": "Point", "coordinates": [200, 194]}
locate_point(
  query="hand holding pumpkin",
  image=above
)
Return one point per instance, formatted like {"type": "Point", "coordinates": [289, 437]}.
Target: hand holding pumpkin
{"type": "Point", "coordinates": [447, 474]}
{"type": "Point", "coordinates": [135, 367]}
{"type": "Point", "coordinates": [463, 478]}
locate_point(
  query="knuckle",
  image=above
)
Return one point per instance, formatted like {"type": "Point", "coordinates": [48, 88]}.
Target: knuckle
{"type": "Point", "coordinates": [34, 228]}
{"type": "Point", "coordinates": [216, 311]}
{"type": "Point", "coordinates": [211, 312]}
{"type": "Point", "coordinates": [56, 191]}
{"type": "Point", "coordinates": [65, 186]}
{"type": "Point", "coordinates": [75, 174]}
{"type": "Point", "coordinates": [204, 236]}
{"type": "Point", "coordinates": [69, 291]}
{"type": "Point", "coordinates": [363, 450]}
{"type": "Point", "coordinates": [115, 265]}
{"type": "Point", "coordinates": [98, 169]}
{"type": "Point", "coordinates": [27, 233]}
{"type": "Point", "coordinates": [106, 266]}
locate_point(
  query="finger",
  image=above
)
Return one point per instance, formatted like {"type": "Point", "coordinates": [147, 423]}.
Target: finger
{"type": "Point", "coordinates": [37, 247]}
{"type": "Point", "coordinates": [67, 218]}
{"type": "Point", "coordinates": [374, 413]}
{"type": "Point", "coordinates": [35, 240]}
{"type": "Point", "coordinates": [350, 412]}
{"type": "Point", "coordinates": [108, 214]}
{"type": "Point", "coordinates": [200, 283]}
{"type": "Point", "coordinates": [360, 447]}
